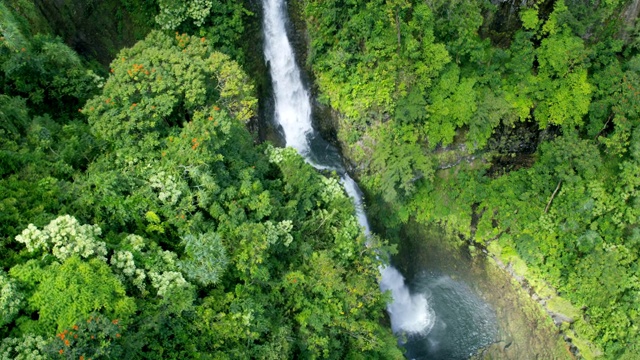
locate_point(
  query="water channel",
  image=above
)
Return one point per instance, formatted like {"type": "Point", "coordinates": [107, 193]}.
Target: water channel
{"type": "Point", "coordinates": [434, 316]}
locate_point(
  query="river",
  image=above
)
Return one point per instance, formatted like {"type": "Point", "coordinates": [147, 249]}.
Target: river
{"type": "Point", "coordinates": [434, 316]}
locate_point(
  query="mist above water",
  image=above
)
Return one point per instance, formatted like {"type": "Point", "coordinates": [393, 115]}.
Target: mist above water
{"type": "Point", "coordinates": [464, 324]}
{"type": "Point", "coordinates": [409, 313]}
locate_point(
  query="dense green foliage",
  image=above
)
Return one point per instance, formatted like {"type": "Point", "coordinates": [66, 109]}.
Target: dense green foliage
{"type": "Point", "coordinates": [138, 219]}
{"type": "Point", "coordinates": [434, 103]}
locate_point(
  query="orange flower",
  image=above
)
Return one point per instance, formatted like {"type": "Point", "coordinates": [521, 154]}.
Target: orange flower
{"type": "Point", "coordinates": [216, 108]}
{"type": "Point", "coordinates": [117, 335]}
{"type": "Point", "coordinates": [66, 343]}
{"type": "Point", "coordinates": [61, 351]}
{"type": "Point", "coordinates": [111, 71]}
{"type": "Point", "coordinates": [115, 322]}
{"type": "Point", "coordinates": [75, 336]}
{"type": "Point", "coordinates": [75, 327]}
{"type": "Point", "coordinates": [92, 337]}
{"type": "Point", "coordinates": [81, 357]}
{"type": "Point", "coordinates": [202, 39]}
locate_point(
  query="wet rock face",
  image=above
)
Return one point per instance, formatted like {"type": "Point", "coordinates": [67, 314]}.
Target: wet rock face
{"type": "Point", "coordinates": [500, 25]}
{"type": "Point", "coordinates": [521, 138]}
{"type": "Point", "coordinates": [514, 146]}
{"type": "Point", "coordinates": [95, 29]}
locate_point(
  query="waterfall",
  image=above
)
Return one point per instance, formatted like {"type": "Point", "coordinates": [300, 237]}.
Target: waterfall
{"type": "Point", "coordinates": [409, 313]}
{"type": "Point", "coordinates": [292, 105]}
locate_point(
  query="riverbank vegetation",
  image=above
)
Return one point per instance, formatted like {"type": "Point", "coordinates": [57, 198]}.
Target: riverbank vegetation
{"type": "Point", "coordinates": [514, 125]}
{"type": "Point", "coordinates": [138, 219]}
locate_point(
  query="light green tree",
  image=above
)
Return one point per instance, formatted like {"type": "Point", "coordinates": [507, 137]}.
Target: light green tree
{"type": "Point", "coordinates": [67, 292]}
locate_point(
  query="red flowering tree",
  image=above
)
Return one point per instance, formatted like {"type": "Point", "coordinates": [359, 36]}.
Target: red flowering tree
{"type": "Point", "coordinates": [96, 338]}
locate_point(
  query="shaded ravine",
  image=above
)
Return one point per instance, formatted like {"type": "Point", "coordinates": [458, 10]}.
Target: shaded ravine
{"type": "Point", "coordinates": [411, 313]}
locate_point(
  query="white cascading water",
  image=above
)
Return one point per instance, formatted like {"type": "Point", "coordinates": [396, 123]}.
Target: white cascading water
{"type": "Point", "coordinates": [292, 106]}
{"type": "Point", "coordinates": [409, 313]}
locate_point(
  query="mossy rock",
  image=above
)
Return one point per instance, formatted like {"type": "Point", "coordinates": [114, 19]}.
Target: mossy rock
{"type": "Point", "coordinates": [563, 307]}
{"type": "Point", "coordinates": [494, 249]}
{"type": "Point", "coordinates": [588, 351]}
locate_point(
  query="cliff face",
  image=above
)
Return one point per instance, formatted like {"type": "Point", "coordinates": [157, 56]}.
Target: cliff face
{"type": "Point", "coordinates": [630, 16]}
{"type": "Point", "coordinates": [95, 29]}
{"type": "Point", "coordinates": [631, 13]}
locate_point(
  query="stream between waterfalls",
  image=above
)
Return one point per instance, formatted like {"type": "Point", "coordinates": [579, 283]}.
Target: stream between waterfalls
{"type": "Point", "coordinates": [436, 313]}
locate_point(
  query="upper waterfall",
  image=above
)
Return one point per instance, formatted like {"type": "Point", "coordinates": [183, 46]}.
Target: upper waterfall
{"type": "Point", "coordinates": [292, 105]}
